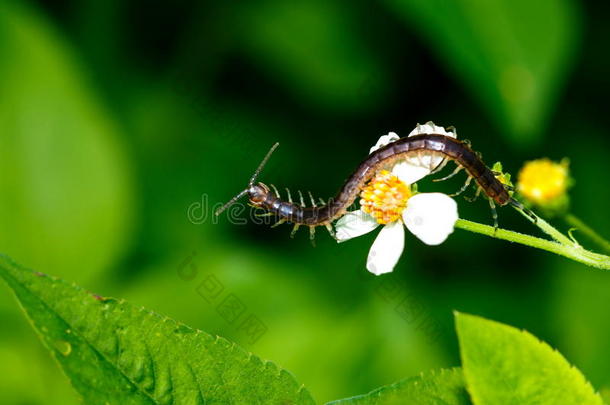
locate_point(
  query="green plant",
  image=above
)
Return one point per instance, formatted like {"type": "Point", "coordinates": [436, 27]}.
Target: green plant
{"type": "Point", "coordinates": [114, 352]}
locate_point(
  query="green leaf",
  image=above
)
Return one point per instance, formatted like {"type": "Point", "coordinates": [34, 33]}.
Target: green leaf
{"type": "Point", "coordinates": [65, 189]}
{"type": "Point", "coordinates": [575, 302]}
{"type": "Point", "coordinates": [505, 365]}
{"type": "Point", "coordinates": [512, 54]}
{"type": "Point", "coordinates": [445, 387]}
{"type": "Point", "coordinates": [116, 353]}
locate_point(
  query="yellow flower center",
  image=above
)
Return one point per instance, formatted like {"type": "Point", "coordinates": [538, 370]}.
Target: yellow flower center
{"type": "Point", "coordinates": [385, 197]}
{"type": "Point", "coordinates": [542, 181]}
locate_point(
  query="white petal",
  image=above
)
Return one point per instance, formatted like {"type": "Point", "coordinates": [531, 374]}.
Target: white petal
{"type": "Point", "coordinates": [430, 128]}
{"type": "Point", "coordinates": [354, 224]}
{"type": "Point", "coordinates": [431, 217]}
{"type": "Point", "coordinates": [386, 249]}
{"type": "Point", "coordinates": [384, 140]}
{"type": "Point", "coordinates": [428, 160]}
{"type": "Point", "coordinates": [408, 172]}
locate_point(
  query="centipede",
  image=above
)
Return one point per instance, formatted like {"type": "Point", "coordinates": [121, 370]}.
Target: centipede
{"type": "Point", "coordinates": [324, 213]}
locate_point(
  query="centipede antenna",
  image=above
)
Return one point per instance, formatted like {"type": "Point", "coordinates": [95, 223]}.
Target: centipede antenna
{"type": "Point", "coordinates": [231, 202]}
{"type": "Point", "coordinates": [263, 163]}
{"type": "Point", "coordinates": [250, 183]}
{"type": "Point", "coordinates": [531, 214]}
{"type": "Point", "coordinates": [516, 204]}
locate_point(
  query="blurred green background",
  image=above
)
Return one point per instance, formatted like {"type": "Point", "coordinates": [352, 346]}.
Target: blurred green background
{"type": "Point", "coordinates": [117, 116]}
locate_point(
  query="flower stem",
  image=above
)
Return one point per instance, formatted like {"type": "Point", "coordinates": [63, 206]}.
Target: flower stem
{"type": "Point", "coordinates": [547, 228]}
{"type": "Point", "coordinates": [570, 250]}
{"type": "Point", "coordinates": [587, 231]}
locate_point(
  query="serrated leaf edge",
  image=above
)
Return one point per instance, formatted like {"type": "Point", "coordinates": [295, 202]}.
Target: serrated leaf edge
{"type": "Point", "coordinates": [229, 345]}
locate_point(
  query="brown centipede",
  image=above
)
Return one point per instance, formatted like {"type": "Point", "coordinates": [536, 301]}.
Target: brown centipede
{"type": "Point", "coordinates": [449, 148]}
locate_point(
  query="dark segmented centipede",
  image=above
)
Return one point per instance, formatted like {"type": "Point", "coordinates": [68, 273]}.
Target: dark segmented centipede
{"type": "Point", "coordinates": [416, 146]}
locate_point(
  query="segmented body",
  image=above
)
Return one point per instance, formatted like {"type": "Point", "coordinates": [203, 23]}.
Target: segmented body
{"type": "Point", "coordinates": [419, 147]}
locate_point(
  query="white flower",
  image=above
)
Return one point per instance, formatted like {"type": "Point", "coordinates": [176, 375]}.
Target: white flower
{"type": "Point", "coordinates": [388, 200]}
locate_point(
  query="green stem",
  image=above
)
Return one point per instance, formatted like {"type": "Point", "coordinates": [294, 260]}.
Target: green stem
{"type": "Point", "coordinates": [587, 231]}
{"type": "Point", "coordinates": [570, 250]}
{"type": "Point", "coordinates": [547, 228]}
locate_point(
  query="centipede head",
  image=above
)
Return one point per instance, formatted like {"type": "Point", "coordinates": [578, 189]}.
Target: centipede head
{"type": "Point", "coordinates": [256, 192]}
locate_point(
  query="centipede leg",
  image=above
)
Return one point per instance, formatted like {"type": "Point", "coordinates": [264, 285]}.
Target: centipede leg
{"type": "Point", "coordinates": [322, 202]}
{"type": "Point", "coordinates": [301, 198]}
{"type": "Point", "coordinates": [440, 167]}
{"type": "Point", "coordinates": [453, 173]}
{"type": "Point", "coordinates": [295, 228]}
{"type": "Point", "coordinates": [419, 158]}
{"type": "Point", "coordinates": [312, 235]}
{"type": "Point", "coordinates": [330, 230]}
{"type": "Point", "coordinates": [277, 193]}
{"type": "Point", "coordinates": [279, 222]}
{"type": "Point", "coordinates": [464, 187]}
{"type": "Point", "coordinates": [289, 196]}
{"type": "Point", "coordinates": [265, 214]}
{"type": "Point", "coordinates": [476, 195]}
{"type": "Point", "coordinates": [313, 201]}
{"type": "Point", "coordinates": [494, 214]}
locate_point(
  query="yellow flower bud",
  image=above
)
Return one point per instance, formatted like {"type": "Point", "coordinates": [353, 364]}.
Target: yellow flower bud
{"type": "Point", "coordinates": [544, 182]}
